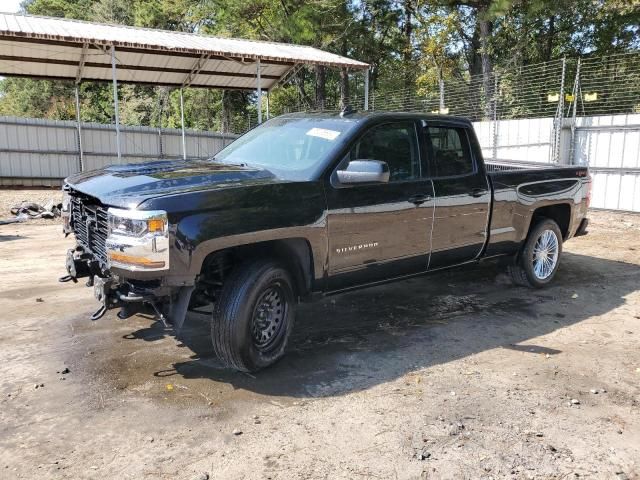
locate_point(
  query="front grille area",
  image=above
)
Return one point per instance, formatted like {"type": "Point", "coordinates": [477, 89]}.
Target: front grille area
{"type": "Point", "coordinates": [89, 224]}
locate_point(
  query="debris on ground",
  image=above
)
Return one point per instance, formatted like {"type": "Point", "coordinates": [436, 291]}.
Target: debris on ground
{"type": "Point", "coordinates": [237, 432]}
{"type": "Point", "coordinates": [422, 454]}
{"type": "Point", "coordinates": [26, 210]}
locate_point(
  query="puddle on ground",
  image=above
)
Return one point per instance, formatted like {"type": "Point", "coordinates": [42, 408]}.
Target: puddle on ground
{"type": "Point", "coordinates": [339, 344]}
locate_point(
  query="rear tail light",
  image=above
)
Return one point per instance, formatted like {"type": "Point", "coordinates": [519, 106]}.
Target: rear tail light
{"type": "Point", "coordinates": [588, 185]}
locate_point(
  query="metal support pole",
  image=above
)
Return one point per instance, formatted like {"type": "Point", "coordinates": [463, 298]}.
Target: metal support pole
{"type": "Point", "coordinates": [259, 99]}
{"type": "Point", "coordinates": [495, 116]}
{"type": "Point", "coordinates": [441, 85]}
{"type": "Point", "coordinates": [574, 111]}
{"type": "Point", "coordinates": [268, 104]}
{"type": "Point", "coordinates": [559, 115]}
{"type": "Point", "coordinates": [184, 141]}
{"type": "Point", "coordinates": [79, 126]}
{"type": "Point", "coordinates": [115, 101]}
{"type": "Point", "coordinates": [366, 89]}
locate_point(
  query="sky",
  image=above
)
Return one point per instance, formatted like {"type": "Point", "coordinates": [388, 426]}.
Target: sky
{"type": "Point", "coordinates": [9, 5]}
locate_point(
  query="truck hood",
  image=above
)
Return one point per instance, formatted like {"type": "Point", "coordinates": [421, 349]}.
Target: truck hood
{"type": "Point", "coordinates": [127, 186]}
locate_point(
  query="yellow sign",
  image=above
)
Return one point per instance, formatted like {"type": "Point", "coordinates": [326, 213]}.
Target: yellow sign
{"type": "Point", "coordinates": [568, 97]}
{"type": "Point", "coordinates": [591, 97]}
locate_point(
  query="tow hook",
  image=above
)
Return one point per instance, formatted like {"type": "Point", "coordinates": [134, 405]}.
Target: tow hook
{"type": "Point", "coordinates": [67, 278]}
{"type": "Point", "coordinates": [98, 314]}
{"type": "Point", "coordinates": [101, 287]}
{"type": "Point", "coordinates": [76, 268]}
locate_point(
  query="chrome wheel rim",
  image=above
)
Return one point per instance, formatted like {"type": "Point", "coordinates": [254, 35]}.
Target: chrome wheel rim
{"type": "Point", "coordinates": [268, 317]}
{"type": "Point", "coordinates": [545, 254]}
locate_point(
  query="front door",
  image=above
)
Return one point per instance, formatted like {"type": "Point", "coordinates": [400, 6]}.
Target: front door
{"type": "Point", "coordinates": [462, 195]}
{"type": "Point", "coordinates": [380, 231]}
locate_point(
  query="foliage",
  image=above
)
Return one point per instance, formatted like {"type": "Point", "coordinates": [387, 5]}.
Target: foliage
{"type": "Point", "coordinates": [410, 44]}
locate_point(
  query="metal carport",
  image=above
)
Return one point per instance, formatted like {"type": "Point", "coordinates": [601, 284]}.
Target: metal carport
{"type": "Point", "coordinates": [61, 49]}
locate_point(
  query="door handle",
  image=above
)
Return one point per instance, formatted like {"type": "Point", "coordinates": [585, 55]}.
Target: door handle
{"type": "Point", "coordinates": [419, 199]}
{"type": "Point", "coordinates": [478, 192]}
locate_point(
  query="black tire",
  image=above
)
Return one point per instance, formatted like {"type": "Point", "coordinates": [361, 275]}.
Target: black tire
{"type": "Point", "coordinates": [253, 292]}
{"type": "Point", "coordinates": [523, 271]}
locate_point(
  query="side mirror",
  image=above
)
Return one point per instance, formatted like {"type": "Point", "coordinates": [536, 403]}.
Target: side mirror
{"type": "Point", "coordinates": [364, 171]}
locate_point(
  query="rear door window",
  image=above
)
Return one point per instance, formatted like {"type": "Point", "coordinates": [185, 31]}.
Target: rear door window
{"type": "Point", "coordinates": [450, 152]}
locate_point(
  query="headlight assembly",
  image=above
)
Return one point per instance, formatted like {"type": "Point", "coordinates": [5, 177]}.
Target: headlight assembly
{"type": "Point", "coordinates": [138, 240]}
{"type": "Point", "coordinates": [65, 213]}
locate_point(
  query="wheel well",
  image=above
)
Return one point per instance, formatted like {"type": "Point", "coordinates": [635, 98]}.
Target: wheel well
{"type": "Point", "coordinates": [560, 213]}
{"type": "Point", "coordinates": [294, 254]}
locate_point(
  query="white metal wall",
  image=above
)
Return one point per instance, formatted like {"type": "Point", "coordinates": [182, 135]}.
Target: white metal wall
{"type": "Point", "coordinates": [42, 152]}
{"type": "Point", "coordinates": [529, 139]}
{"type": "Point", "coordinates": [610, 146]}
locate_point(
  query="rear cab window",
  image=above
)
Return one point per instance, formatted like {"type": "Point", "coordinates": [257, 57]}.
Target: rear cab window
{"type": "Point", "coordinates": [449, 152]}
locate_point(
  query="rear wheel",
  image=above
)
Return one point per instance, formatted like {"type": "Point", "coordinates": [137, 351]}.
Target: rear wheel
{"type": "Point", "coordinates": [539, 259]}
{"type": "Point", "coordinates": [254, 316]}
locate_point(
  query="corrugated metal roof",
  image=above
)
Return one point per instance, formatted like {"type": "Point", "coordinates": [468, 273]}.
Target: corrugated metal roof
{"type": "Point", "coordinates": [53, 48]}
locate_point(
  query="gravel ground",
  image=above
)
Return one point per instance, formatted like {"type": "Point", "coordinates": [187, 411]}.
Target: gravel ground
{"type": "Point", "coordinates": [456, 375]}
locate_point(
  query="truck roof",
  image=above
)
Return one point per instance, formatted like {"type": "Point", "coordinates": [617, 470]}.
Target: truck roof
{"type": "Point", "coordinates": [363, 116]}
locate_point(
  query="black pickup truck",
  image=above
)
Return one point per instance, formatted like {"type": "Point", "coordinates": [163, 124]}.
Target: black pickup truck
{"type": "Point", "coordinates": [309, 204]}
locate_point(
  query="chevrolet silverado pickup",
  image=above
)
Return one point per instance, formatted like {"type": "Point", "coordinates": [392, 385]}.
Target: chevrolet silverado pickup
{"type": "Point", "coordinates": [311, 204]}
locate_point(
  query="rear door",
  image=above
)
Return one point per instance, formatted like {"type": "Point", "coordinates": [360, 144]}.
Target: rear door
{"type": "Point", "coordinates": [379, 231]}
{"type": "Point", "coordinates": [462, 193]}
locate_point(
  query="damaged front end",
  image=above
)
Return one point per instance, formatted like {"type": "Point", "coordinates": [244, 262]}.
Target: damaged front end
{"type": "Point", "coordinates": [125, 256]}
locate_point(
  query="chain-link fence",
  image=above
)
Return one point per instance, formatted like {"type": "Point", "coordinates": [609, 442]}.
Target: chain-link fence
{"type": "Point", "coordinates": [564, 87]}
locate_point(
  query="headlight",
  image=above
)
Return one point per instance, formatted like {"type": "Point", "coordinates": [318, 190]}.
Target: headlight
{"type": "Point", "coordinates": [138, 239]}
{"type": "Point", "coordinates": [65, 213]}
{"type": "Point", "coordinates": [66, 203]}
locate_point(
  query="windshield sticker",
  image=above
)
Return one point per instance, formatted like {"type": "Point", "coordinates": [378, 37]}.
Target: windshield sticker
{"type": "Point", "coordinates": [323, 133]}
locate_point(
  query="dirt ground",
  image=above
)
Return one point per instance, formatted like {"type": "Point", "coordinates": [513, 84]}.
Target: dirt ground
{"type": "Point", "coordinates": [456, 375]}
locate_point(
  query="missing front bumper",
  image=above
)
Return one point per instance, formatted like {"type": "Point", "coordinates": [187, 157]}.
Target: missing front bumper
{"type": "Point", "coordinates": [132, 295]}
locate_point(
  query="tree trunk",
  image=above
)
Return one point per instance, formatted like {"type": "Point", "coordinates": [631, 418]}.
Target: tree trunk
{"type": "Point", "coordinates": [407, 55]}
{"type": "Point", "coordinates": [226, 112]}
{"type": "Point", "coordinates": [321, 94]}
{"type": "Point", "coordinates": [474, 61]}
{"type": "Point", "coordinates": [344, 88]}
{"type": "Point", "coordinates": [486, 28]}
{"type": "Point", "coordinates": [303, 98]}
{"type": "Point", "coordinates": [550, 34]}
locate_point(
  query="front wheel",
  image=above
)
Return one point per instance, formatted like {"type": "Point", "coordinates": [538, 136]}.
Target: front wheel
{"type": "Point", "coordinates": [254, 316]}
{"type": "Point", "coordinates": [539, 259]}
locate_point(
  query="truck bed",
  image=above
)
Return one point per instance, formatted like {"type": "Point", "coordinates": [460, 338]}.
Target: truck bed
{"type": "Point", "coordinates": [519, 188]}
{"type": "Point", "coordinates": [516, 165]}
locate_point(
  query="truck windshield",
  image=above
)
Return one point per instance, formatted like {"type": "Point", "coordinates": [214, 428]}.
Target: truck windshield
{"type": "Point", "coordinates": [291, 148]}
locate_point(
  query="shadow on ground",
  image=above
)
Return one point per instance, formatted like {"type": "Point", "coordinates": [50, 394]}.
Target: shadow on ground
{"type": "Point", "coordinates": [8, 238]}
{"type": "Point", "coordinates": [354, 341]}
